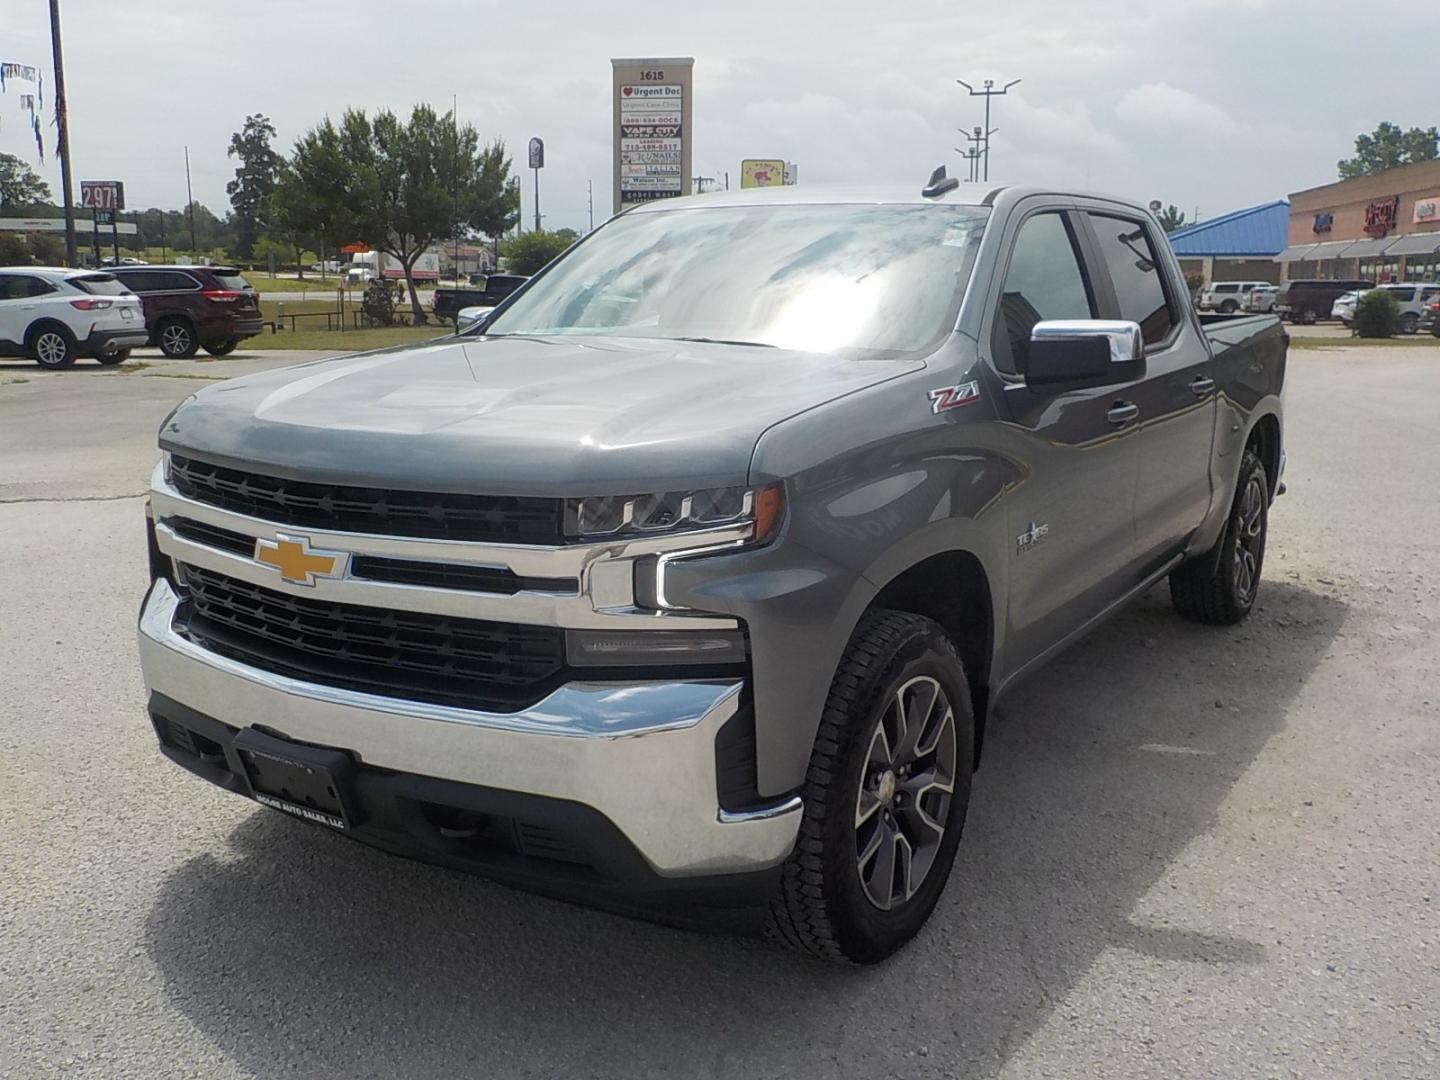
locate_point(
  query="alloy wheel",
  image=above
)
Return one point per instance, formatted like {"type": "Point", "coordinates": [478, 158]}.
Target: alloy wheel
{"type": "Point", "coordinates": [1249, 539]}
{"type": "Point", "coordinates": [51, 348]}
{"type": "Point", "coordinates": [175, 339]}
{"type": "Point", "coordinates": [905, 792]}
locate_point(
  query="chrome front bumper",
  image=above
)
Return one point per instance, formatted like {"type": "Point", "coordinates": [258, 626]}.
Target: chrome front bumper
{"type": "Point", "coordinates": [641, 754]}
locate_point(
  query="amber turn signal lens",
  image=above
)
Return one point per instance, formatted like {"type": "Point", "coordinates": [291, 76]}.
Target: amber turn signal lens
{"type": "Point", "coordinates": [769, 512]}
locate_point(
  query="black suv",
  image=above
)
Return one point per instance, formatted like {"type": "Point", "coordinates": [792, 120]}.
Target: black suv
{"type": "Point", "coordinates": [194, 307]}
{"type": "Point", "coordinates": [1307, 301]}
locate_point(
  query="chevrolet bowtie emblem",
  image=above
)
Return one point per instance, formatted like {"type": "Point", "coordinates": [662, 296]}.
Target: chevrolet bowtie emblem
{"type": "Point", "coordinates": [297, 561]}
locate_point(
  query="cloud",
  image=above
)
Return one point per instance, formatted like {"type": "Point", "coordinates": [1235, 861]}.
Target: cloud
{"type": "Point", "coordinates": [1161, 104]}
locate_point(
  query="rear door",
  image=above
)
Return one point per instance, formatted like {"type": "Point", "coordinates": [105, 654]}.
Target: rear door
{"type": "Point", "coordinates": [1070, 514]}
{"type": "Point", "coordinates": [1177, 396]}
{"type": "Point", "coordinates": [14, 295]}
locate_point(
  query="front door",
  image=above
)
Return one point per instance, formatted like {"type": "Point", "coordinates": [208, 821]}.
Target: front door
{"type": "Point", "coordinates": [1070, 511]}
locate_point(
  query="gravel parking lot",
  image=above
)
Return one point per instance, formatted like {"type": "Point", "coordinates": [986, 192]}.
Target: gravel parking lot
{"type": "Point", "coordinates": [1192, 852]}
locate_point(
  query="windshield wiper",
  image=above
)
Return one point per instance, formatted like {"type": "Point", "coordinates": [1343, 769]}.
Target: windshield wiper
{"type": "Point", "coordinates": [725, 341]}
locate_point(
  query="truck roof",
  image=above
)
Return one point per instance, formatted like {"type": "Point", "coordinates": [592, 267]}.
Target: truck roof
{"type": "Point", "coordinates": [981, 194]}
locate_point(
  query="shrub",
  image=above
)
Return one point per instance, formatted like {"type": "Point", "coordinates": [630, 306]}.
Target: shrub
{"type": "Point", "coordinates": [378, 303]}
{"type": "Point", "coordinates": [1377, 315]}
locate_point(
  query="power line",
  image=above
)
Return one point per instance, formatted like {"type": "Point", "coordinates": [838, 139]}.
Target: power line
{"type": "Point", "coordinates": [987, 93]}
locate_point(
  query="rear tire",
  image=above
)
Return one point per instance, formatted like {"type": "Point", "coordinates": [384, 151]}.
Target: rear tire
{"type": "Point", "coordinates": [1409, 323]}
{"type": "Point", "coordinates": [1222, 590]}
{"type": "Point", "coordinates": [52, 346]}
{"type": "Point", "coordinates": [1229, 307]}
{"type": "Point", "coordinates": [225, 348]}
{"type": "Point", "coordinates": [883, 811]}
{"type": "Point", "coordinates": [176, 338]}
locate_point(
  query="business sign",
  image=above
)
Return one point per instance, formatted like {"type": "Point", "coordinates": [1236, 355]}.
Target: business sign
{"type": "Point", "coordinates": [652, 138]}
{"type": "Point", "coordinates": [762, 172]}
{"type": "Point", "coordinates": [1382, 215]}
{"type": "Point", "coordinates": [1427, 209]}
{"type": "Point", "coordinates": [537, 153]}
{"type": "Point", "coordinates": [102, 194]}
{"type": "Point", "coordinates": [29, 225]}
{"type": "Point", "coordinates": [1323, 223]}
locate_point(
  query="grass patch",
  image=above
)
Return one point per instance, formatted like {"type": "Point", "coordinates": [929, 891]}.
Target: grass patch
{"type": "Point", "coordinates": [130, 367]}
{"type": "Point", "coordinates": [1419, 341]}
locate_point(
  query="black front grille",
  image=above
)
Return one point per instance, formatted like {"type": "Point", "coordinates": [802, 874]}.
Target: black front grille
{"type": "Point", "coordinates": [421, 657]}
{"type": "Point", "coordinates": [499, 580]}
{"type": "Point", "coordinates": [385, 512]}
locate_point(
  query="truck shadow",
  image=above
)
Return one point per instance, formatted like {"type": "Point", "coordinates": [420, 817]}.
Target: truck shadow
{"type": "Point", "coordinates": [299, 952]}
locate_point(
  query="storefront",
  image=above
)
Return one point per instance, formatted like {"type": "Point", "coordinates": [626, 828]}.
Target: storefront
{"type": "Point", "coordinates": [1382, 227]}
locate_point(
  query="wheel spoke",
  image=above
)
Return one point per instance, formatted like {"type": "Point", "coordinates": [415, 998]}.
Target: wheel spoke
{"type": "Point", "coordinates": [866, 806]}
{"type": "Point", "coordinates": [904, 885]}
{"type": "Point", "coordinates": [880, 756]}
{"type": "Point", "coordinates": [880, 883]}
{"type": "Point", "coordinates": [917, 701]}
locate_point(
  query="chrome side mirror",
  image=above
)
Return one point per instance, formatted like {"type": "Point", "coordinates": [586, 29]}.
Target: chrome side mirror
{"type": "Point", "coordinates": [1084, 352]}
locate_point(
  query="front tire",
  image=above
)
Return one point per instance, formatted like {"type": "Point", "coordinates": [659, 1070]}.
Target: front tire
{"type": "Point", "coordinates": [885, 795]}
{"type": "Point", "coordinates": [176, 339]}
{"type": "Point", "coordinates": [224, 348]}
{"type": "Point", "coordinates": [119, 356]}
{"type": "Point", "coordinates": [53, 347]}
{"type": "Point", "coordinates": [1219, 588]}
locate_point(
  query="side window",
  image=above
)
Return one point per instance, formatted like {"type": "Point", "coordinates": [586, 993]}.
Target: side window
{"type": "Point", "coordinates": [1135, 273]}
{"type": "Point", "coordinates": [13, 287]}
{"type": "Point", "coordinates": [1043, 281]}
{"type": "Point", "coordinates": [38, 287]}
{"type": "Point", "coordinates": [174, 280]}
{"type": "Point", "coordinates": [1403, 296]}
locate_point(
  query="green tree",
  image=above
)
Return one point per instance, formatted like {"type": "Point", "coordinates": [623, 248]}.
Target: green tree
{"type": "Point", "coordinates": [401, 186]}
{"type": "Point", "coordinates": [1387, 146]}
{"type": "Point", "coordinates": [48, 249]}
{"type": "Point", "coordinates": [20, 186]}
{"type": "Point", "coordinates": [1171, 218]}
{"type": "Point", "coordinates": [312, 191]}
{"type": "Point", "coordinates": [528, 252]}
{"type": "Point", "coordinates": [254, 180]}
{"type": "Point", "coordinates": [569, 234]}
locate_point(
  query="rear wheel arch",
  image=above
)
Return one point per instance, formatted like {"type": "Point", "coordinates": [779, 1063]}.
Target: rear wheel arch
{"type": "Point", "coordinates": [1264, 439]}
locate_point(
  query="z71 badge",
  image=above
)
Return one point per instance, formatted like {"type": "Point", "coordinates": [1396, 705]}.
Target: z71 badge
{"type": "Point", "coordinates": [952, 397]}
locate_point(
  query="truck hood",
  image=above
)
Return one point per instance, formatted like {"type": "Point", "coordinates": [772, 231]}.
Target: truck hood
{"type": "Point", "coordinates": [536, 416]}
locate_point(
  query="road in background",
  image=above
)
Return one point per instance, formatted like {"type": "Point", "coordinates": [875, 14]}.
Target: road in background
{"type": "Point", "coordinates": [1192, 852]}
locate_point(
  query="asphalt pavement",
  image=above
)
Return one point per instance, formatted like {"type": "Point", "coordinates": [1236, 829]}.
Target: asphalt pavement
{"type": "Point", "coordinates": [1192, 852]}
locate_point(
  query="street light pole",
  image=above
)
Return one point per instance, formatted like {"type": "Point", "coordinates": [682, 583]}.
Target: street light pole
{"type": "Point", "coordinates": [987, 93]}
{"type": "Point", "coordinates": [62, 124]}
{"type": "Point", "coordinates": [190, 201]}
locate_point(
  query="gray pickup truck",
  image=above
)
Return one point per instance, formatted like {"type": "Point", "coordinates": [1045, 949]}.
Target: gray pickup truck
{"type": "Point", "coordinates": [688, 579]}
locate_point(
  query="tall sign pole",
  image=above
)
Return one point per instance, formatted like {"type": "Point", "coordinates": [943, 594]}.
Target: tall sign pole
{"type": "Point", "coordinates": [537, 162]}
{"type": "Point", "coordinates": [987, 93]}
{"type": "Point", "coordinates": [62, 124]}
{"type": "Point", "coordinates": [652, 134]}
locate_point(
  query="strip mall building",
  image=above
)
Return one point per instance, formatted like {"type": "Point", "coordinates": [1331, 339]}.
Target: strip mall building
{"type": "Point", "coordinates": [1381, 227]}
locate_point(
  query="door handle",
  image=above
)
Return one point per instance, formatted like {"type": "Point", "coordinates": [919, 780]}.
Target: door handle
{"type": "Point", "coordinates": [1122, 412]}
{"type": "Point", "coordinates": [1201, 385]}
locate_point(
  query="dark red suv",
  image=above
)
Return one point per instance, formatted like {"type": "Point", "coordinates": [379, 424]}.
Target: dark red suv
{"type": "Point", "coordinates": [194, 307]}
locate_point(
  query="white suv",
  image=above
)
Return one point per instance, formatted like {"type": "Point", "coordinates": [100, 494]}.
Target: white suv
{"type": "Point", "coordinates": [54, 315]}
{"type": "Point", "coordinates": [1226, 296]}
{"type": "Point", "coordinates": [1412, 298]}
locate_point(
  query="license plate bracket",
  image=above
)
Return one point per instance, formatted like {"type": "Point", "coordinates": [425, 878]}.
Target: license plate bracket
{"type": "Point", "coordinates": [309, 782]}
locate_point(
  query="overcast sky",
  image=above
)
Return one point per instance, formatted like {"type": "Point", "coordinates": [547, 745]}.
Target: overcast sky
{"type": "Point", "coordinates": [1218, 105]}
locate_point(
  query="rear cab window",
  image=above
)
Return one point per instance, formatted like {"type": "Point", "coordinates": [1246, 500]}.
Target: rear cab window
{"type": "Point", "coordinates": [1136, 276]}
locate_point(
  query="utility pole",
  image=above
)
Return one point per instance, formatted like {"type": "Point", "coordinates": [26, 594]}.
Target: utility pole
{"type": "Point", "coordinates": [190, 202]}
{"type": "Point", "coordinates": [987, 93]}
{"type": "Point", "coordinates": [62, 123]}
{"type": "Point", "coordinates": [590, 196]}
{"type": "Point", "coordinates": [972, 155]}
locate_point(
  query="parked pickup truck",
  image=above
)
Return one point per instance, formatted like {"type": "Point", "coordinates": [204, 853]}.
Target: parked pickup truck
{"type": "Point", "coordinates": [449, 302]}
{"type": "Point", "coordinates": [693, 576]}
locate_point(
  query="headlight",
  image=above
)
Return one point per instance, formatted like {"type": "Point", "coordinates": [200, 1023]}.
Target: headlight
{"type": "Point", "coordinates": [628, 516]}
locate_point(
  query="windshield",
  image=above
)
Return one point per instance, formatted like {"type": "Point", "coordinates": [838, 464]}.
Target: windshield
{"type": "Point", "coordinates": [856, 279]}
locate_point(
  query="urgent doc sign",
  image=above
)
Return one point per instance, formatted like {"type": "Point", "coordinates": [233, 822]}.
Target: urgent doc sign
{"type": "Point", "coordinates": [102, 194]}
{"type": "Point", "coordinates": [652, 137]}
